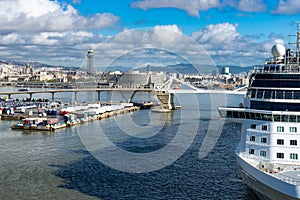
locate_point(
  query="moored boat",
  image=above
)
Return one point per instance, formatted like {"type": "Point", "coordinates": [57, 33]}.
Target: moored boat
{"type": "Point", "coordinates": [41, 124]}
{"type": "Point", "coordinates": [160, 109]}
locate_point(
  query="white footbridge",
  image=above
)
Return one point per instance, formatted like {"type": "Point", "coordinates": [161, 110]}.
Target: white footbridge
{"type": "Point", "coordinates": [165, 93]}
{"type": "Point", "coordinates": [174, 85]}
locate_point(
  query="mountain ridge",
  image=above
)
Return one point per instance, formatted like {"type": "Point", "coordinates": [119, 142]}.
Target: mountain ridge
{"type": "Point", "coordinates": [182, 68]}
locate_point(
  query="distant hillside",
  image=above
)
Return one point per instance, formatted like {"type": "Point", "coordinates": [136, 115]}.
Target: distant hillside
{"type": "Point", "coordinates": [36, 65]}
{"type": "Point", "coordinates": [117, 68]}
{"type": "Point", "coordinates": [236, 69]}
{"type": "Point", "coordinates": [183, 69]}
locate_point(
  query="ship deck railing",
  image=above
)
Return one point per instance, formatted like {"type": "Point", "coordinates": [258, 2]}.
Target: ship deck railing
{"type": "Point", "coordinates": [275, 65]}
{"type": "Point", "coordinates": [238, 113]}
{"type": "Point", "coordinates": [273, 95]}
{"type": "Point", "coordinates": [255, 162]}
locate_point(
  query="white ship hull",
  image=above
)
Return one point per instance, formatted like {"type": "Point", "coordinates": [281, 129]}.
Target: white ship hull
{"type": "Point", "coordinates": [268, 155]}
{"type": "Point", "coordinates": [265, 186]}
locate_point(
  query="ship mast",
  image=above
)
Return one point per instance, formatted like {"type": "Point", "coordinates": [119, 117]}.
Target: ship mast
{"type": "Point", "coordinates": [297, 46]}
{"type": "Point", "coordinates": [298, 42]}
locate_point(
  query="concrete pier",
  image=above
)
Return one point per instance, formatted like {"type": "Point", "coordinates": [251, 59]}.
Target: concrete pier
{"type": "Point", "coordinates": [166, 99]}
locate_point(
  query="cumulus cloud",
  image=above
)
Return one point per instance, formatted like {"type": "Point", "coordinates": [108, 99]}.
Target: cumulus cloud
{"type": "Point", "coordinates": [76, 1]}
{"type": "Point", "coordinates": [166, 34]}
{"type": "Point", "coordinates": [216, 43]}
{"type": "Point", "coordinates": [251, 6]}
{"type": "Point", "coordinates": [12, 38]}
{"type": "Point", "coordinates": [217, 34]}
{"type": "Point", "coordinates": [59, 48]}
{"type": "Point", "coordinates": [246, 5]}
{"type": "Point", "coordinates": [47, 31]}
{"type": "Point", "coordinates": [159, 45]}
{"type": "Point", "coordinates": [287, 7]}
{"type": "Point", "coordinates": [226, 46]}
{"type": "Point", "coordinates": [46, 16]}
{"type": "Point", "coordinates": [191, 6]}
{"type": "Point", "coordinates": [69, 47]}
{"type": "Point", "coordinates": [219, 43]}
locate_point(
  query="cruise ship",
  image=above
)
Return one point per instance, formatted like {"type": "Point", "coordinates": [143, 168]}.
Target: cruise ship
{"type": "Point", "coordinates": [268, 155]}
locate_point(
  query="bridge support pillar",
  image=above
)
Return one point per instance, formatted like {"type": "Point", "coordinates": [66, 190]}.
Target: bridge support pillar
{"type": "Point", "coordinates": [30, 96]}
{"type": "Point", "coordinates": [9, 96]}
{"type": "Point", "coordinates": [75, 97]}
{"type": "Point", "coordinates": [166, 99]}
{"type": "Point", "coordinates": [131, 97]}
{"type": "Point", "coordinates": [98, 97]}
{"type": "Point", "coordinates": [52, 98]}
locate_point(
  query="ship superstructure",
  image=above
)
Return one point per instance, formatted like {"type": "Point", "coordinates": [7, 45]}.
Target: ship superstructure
{"type": "Point", "coordinates": [268, 155]}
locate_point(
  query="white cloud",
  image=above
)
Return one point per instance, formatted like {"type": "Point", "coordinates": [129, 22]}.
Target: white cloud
{"type": "Point", "coordinates": [45, 15]}
{"type": "Point", "coordinates": [45, 38]}
{"type": "Point", "coordinates": [251, 6]}
{"type": "Point", "coordinates": [47, 31]}
{"type": "Point", "coordinates": [288, 7]}
{"type": "Point", "coordinates": [246, 5]}
{"type": "Point", "coordinates": [226, 46]}
{"type": "Point", "coordinates": [217, 34]}
{"type": "Point", "coordinates": [12, 38]}
{"type": "Point", "coordinates": [219, 43]}
{"type": "Point", "coordinates": [136, 47]}
{"type": "Point", "coordinates": [166, 34]}
{"type": "Point", "coordinates": [76, 1]}
{"type": "Point", "coordinates": [50, 38]}
{"type": "Point", "coordinates": [48, 47]}
{"type": "Point", "coordinates": [191, 6]}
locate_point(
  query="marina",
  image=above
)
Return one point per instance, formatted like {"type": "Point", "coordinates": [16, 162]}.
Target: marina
{"type": "Point", "coordinates": [85, 114]}
{"type": "Point", "coordinates": [68, 116]}
{"type": "Point", "coordinates": [57, 165]}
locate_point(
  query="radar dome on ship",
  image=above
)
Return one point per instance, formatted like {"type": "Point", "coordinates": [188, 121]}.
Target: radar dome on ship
{"type": "Point", "coordinates": [278, 50]}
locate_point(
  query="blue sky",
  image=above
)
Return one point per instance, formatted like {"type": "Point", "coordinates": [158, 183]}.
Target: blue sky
{"type": "Point", "coordinates": [133, 17]}
{"type": "Point", "coordinates": [228, 32]}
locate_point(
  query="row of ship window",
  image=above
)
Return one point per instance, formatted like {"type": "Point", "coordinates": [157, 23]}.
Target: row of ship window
{"type": "Point", "coordinates": [275, 106]}
{"type": "Point", "coordinates": [273, 94]}
{"type": "Point", "coordinates": [279, 141]}
{"type": "Point", "coordinates": [280, 129]}
{"type": "Point", "coordinates": [292, 66]}
{"type": "Point", "coordinates": [273, 83]}
{"type": "Point", "coordinates": [293, 156]}
{"type": "Point", "coordinates": [260, 116]}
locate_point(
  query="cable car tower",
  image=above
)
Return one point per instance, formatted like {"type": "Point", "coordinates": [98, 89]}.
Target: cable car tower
{"type": "Point", "coordinates": [90, 62]}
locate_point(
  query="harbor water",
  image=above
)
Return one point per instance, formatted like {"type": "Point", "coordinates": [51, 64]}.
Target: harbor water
{"type": "Point", "coordinates": [60, 165]}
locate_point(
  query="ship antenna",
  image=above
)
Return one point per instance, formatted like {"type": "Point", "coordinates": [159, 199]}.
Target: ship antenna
{"type": "Point", "coordinates": [298, 41]}
{"type": "Point", "coordinates": [298, 44]}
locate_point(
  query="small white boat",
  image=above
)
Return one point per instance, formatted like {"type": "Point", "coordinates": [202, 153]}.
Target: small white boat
{"type": "Point", "coordinates": [160, 109]}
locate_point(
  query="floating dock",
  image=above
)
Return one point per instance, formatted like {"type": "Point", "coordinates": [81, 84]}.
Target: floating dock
{"type": "Point", "coordinates": [51, 124]}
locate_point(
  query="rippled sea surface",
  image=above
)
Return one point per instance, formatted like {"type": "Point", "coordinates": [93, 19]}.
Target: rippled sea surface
{"type": "Point", "coordinates": [42, 165]}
